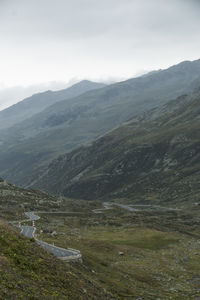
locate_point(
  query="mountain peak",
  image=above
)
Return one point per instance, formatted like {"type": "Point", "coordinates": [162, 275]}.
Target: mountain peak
{"type": "Point", "coordinates": [88, 82]}
{"type": "Point", "coordinates": [40, 101]}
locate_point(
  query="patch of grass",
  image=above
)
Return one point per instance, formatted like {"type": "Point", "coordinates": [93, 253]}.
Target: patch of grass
{"type": "Point", "coordinates": [123, 252]}
{"type": "Point", "coordinates": [139, 238]}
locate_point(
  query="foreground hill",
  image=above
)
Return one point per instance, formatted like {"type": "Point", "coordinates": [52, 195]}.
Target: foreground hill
{"type": "Point", "coordinates": [29, 272]}
{"type": "Point", "coordinates": [32, 144]}
{"type": "Point", "coordinates": [15, 200]}
{"type": "Point", "coordinates": [153, 159]}
{"type": "Point", "coordinates": [26, 270]}
{"type": "Point", "coordinates": [36, 103]}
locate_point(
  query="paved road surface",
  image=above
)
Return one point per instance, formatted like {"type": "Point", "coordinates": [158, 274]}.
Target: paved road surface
{"type": "Point", "coordinates": [59, 252]}
{"type": "Point", "coordinates": [28, 231]}
{"type": "Point", "coordinates": [32, 216]}
{"type": "Point", "coordinates": [65, 254]}
{"type": "Point", "coordinates": [127, 207]}
{"type": "Point", "coordinates": [109, 205]}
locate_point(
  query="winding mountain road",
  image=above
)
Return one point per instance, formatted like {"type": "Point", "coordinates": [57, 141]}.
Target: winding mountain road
{"type": "Point", "coordinates": [28, 231]}
{"type": "Point", "coordinates": [64, 254]}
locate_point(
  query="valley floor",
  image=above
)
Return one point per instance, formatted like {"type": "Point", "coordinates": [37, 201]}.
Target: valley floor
{"type": "Point", "coordinates": [151, 253]}
{"type": "Point", "coordinates": [146, 252]}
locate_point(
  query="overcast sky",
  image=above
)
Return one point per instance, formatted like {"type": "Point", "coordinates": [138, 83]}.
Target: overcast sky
{"type": "Point", "coordinates": [47, 43]}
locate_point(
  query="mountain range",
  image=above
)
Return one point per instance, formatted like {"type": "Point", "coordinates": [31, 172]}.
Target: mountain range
{"type": "Point", "coordinates": [114, 171]}
{"type": "Point", "coordinates": [154, 158]}
{"type": "Point", "coordinates": [29, 146]}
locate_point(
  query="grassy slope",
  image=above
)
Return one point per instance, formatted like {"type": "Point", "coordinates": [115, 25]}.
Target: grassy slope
{"type": "Point", "coordinates": [26, 270]}
{"type": "Point", "coordinates": [14, 201]}
{"type": "Point", "coordinates": [151, 160]}
{"type": "Point", "coordinates": [29, 272]}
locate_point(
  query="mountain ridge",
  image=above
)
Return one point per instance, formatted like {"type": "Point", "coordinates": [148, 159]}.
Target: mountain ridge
{"type": "Point", "coordinates": [62, 127]}
{"type": "Point", "coordinates": [34, 104]}
{"type": "Point", "coordinates": [153, 159]}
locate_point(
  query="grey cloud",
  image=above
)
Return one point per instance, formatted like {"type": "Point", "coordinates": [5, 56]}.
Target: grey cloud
{"type": "Point", "coordinates": [94, 39]}
{"type": "Point", "coordinates": [61, 18]}
{"type": "Point", "coordinates": [87, 18]}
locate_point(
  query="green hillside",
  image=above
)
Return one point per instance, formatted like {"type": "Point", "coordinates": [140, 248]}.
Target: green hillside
{"type": "Point", "coordinates": [26, 270]}
{"type": "Point", "coordinates": [153, 159]}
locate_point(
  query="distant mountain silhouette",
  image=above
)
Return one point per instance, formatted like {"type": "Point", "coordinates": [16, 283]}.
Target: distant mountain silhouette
{"type": "Point", "coordinates": [36, 103]}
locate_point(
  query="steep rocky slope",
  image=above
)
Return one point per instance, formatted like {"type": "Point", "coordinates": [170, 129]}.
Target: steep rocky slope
{"type": "Point", "coordinates": [155, 158]}
{"type": "Point", "coordinates": [32, 144]}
